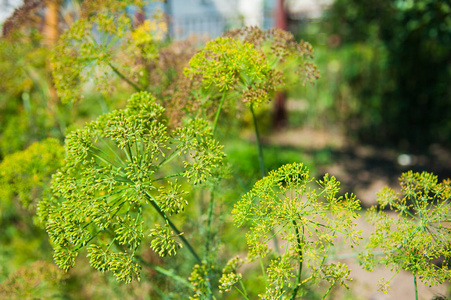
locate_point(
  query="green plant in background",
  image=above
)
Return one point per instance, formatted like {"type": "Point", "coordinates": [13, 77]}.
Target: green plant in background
{"type": "Point", "coordinates": [114, 173]}
{"type": "Point", "coordinates": [24, 180]}
{"type": "Point", "coordinates": [292, 59]}
{"type": "Point", "coordinates": [26, 174]}
{"type": "Point", "coordinates": [308, 222]}
{"type": "Point", "coordinates": [418, 237]}
{"type": "Point", "coordinates": [29, 111]}
{"type": "Point", "coordinates": [39, 280]}
{"type": "Point", "coordinates": [92, 50]}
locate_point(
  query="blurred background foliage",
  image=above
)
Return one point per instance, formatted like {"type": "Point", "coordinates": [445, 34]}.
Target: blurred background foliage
{"type": "Point", "coordinates": [386, 68]}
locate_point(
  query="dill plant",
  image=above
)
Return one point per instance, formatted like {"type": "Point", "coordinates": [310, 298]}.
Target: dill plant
{"type": "Point", "coordinates": [417, 236]}
{"type": "Point", "coordinates": [30, 111]}
{"type": "Point", "coordinates": [118, 170]}
{"type": "Point", "coordinates": [24, 180]}
{"type": "Point", "coordinates": [26, 174]}
{"type": "Point", "coordinates": [104, 45]}
{"type": "Point", "coordinates": [250, 64]}
{"type": "Point", "coordinates": [308, 220]}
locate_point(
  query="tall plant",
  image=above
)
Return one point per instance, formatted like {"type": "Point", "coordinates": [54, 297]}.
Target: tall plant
{"type": "Point", "coordinates": [118, 170]}
{"type": "Point", "coordinates": [417, 237]}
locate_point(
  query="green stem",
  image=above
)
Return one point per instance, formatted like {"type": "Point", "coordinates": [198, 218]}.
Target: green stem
{"type": "Point", "coordinates": [169, 158]}
{"type": "Point", "coordinates": [263, 270]}
{"type": "Point", "coordinates": [241, 292]}
{"type": "Point", "coordinates": [122, 76]}
{"type": "Point", "coordinates": [169, 176]}
{"type": "Point", "coordinates": [218, 112]}
{"type": "Point", "coordinates": [103, 159]}
{"type": "Point", "coordinates": [210, 213]}
{"type": "Point", "coordinates": [416, 289]}
{"type": "Point", "coordinates": [118, 158]}
{"type": "Point", "coordinates": [328, 291]}
{"type": "Point", "coordinates": [260, 149]}
{"type": "Point", "coordinates": [298, 277]}
{"type": "Point", "coordinates": [165, 272]}
{"type": "Point", "coordinates": [244, 288]}
{"type": "Point", "coordinates": [178, 232]}
{"type": "Point", "coordinates": [130, 151]}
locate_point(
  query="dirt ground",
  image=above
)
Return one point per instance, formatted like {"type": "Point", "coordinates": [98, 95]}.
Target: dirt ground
{"type": "Point", "coordinates": [365, 170]}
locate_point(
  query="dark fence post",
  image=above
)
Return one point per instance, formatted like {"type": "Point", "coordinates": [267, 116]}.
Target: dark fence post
{"type": "Point", "coordinates": [280, 110]}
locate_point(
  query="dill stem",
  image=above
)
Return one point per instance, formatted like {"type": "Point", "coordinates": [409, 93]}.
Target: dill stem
{"type": "Point", "coordinates": [210, 214]}
{"type": "Point", "coordinates": [218, 112]}
{"type": "Point", "coordinates": [165, 272]}
{"type": "Point", "coordinates": [260, 149]}
{"type": "Point", "coordinates": [241, 292]}
{"type": "Point", "coordinates": [180, 235]}
{"type": "Point", "coordinates": [328, 291]}
{"type": "Point", "coordinates": [123, 77]}
{"type": "Point", "coordinates": [416, 288]}
{"type": "Point", "coordinates": [207, 243]}
{"type": "Point", "coordinates": [178, 232]}
{"type": "Point", "coordinates": [298, 277]}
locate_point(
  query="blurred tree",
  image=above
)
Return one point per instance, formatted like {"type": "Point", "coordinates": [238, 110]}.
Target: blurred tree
{"type": "Point", "coordinates": [414, 107]}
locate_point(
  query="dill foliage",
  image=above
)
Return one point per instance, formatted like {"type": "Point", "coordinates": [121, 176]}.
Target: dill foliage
{"type": "Point", "coordinates": [26, 174]}
{"type": "Point", "coordinates": [117, 169]}
{"type": "Point", "coordinates": [307, 220]}
{"type": "Point", "coordinates": [104, 45]}
{"type": "Point", "coordinates": [249, 65]}
{"type": "Point", "coordinates": [416, 237]}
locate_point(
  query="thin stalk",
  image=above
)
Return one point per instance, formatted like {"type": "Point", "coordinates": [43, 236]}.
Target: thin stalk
{"type": "Point", "coordinates": [165, 272]}
{"type": "Point", "coordinates": [210, 213]}
{"type": "Point", "coordinates": [122, 76]}
{"type": "Point", "coordinates": [328, 291]}
{"type": "Point", "coordinates": [169, 176]}
{"type": "Point", "coordinates": [263, 269]}
{"type": "Point", "coordinates": [241, 292]}
{"type": "Point", "coordinates": [103, 159]}
{"type": "Point", "coordinates": [128, 152]}
{"type": "Point", "coordinates": [118, 158]}
{"type": "Point", "coordinates": [416, 288]}
{"type": "Point", "coordinates": [260, 149]}
{"type": "Point", "coordinates": [262, 162]}
{"type": "Point", "coordinates": [298, 277]}
{"type": "Point", "coordinates": [218, 112]}
{"type": "Point", "coordinates": [169, 158]}
{"type": "Point", "coordinates": [244, 288]}
{"type": "Point", "coordinates": [178, 232]}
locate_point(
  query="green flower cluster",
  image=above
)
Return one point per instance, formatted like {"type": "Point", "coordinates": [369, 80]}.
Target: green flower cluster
{"type": "Point", "coordinates": [230, 274]}
{"type": "Point", "coordinates": [80, 56]}
{"type": "Point", "coordinates": [200, 281]}
{"type": "Point", "coordinates": [115, 169]}
{"type": "Point", "coordinates": [26, 174]}
{"type": "Point", "coordinates": [307, 220]}
{"type": "Point", "coordinates": [229, 63]}
{"type": "Point", "coordinates": [288, 57]}
{"type": "Point", "coordinates": [418, 235]}
{"type": "Point", "coordinates": [91, 52]}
